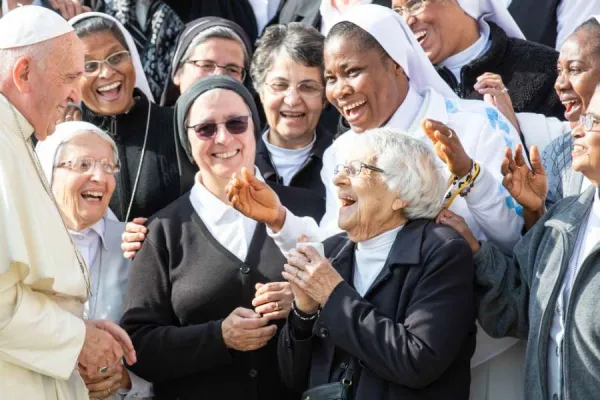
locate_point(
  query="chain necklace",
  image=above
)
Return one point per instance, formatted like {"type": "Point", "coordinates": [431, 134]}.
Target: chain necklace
{"type": "Point", "coordinates": [38, 169]}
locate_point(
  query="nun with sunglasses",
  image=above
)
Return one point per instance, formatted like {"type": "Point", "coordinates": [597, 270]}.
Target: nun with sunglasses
{"type": "Point", "coordinates": [206, 295]}
{"type": "Point", "coordinates": [116, 97]}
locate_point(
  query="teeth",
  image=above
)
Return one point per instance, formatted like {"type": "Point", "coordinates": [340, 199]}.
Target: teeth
{"type": "Point", "coordinates": [226, 155]}
{"type": "Point", "coordinates": [353, 105]}
{"type": "Point", "coordinates": [96, 195]}
{"type": "Point", "coordinates": [420, 35]}
{"type": "Point", "coordinates": [578, 148]}
{"type": "Point", "coordinates": [109, 87]}
{"type": "Point", "coordinates": [347, 198]}
{"type": "Point", "coordinates": [292, 114]}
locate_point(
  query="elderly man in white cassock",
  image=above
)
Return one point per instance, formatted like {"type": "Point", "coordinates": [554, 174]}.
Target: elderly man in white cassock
{"type": "Point", "coordinates": [44, 283]}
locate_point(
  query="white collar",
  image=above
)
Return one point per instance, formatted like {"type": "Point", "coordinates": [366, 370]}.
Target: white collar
{"type": "Point", "coordinates": [21, 120]}
{"type": "Point", "coordinates": [407, 112]}
{"type": "Point", "coordinates": [88, 234]}
{"type": "Point", "coordinates": [596, 206]}
{"type": "Point", "coordinates": [384, 240]}
{"type": "Point", "coordinates": [283, 151]}
{"type": "Point", "coordinates": [208, 206]}
{"type": "Point", "coordinates": [472, 52]}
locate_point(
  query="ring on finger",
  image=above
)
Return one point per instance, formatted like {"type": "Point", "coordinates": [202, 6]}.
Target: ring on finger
{"type": "Point", "coordinates": [277, 308]}
{"type": "Point", "coordinates": [505, 90]}
{"type": "Point", "coordinates": [298, 274]}
{"type": "Point", "coordinates": [451, 134]}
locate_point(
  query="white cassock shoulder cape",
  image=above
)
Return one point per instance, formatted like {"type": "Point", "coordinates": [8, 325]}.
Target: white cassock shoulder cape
{"type": "Point", "coordinates": [42, 287]}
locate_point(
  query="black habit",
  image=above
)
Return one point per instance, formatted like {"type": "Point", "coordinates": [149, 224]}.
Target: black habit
{"type": "Point", "coordinates": [183, 284]}
{"type": "Point", "coordinates": [159, 183]}
{"type": "Point", "coordinates": [309, 175]}
{"type": "Point", "coordinates": [411, 336]}
{"type": "Point", "coordinates": [527, 69]}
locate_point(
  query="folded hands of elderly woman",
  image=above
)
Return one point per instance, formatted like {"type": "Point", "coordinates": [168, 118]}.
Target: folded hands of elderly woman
{"type": "Point", "coordinates": [312, 277]}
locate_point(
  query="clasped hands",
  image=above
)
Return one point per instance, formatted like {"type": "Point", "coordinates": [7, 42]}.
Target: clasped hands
{"type": "Point", "coordinates": [99, 361]}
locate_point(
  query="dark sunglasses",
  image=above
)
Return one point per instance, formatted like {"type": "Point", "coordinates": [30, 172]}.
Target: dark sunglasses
{"type": "Point", "coordinates": [234, 125]}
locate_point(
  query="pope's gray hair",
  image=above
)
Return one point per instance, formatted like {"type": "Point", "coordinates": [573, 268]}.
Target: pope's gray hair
{"type": "Point", "coordinates": [37, 52]}
{"type": "Point", "coordinates": [411, 170]}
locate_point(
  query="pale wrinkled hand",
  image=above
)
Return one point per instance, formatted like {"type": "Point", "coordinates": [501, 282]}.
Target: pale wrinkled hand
{"type": "Point", "coordinates": [312, 274]}
{"type": "Point", "coordinates": [104, 345]}
{"type": "Point", "coordinates": [69, 8]}
{"type": "Point", "coordinates": [254, 198]}
{"type": "Point", "coordinates": [72, 113]}
{"type": "Point", "coordinates": [448, 147]}
{"type": "Point", "coordinates": [528, 187]}
{"type": "Point", "coordinates": [245, 330]}
{"type": "Point", "coordinates": [492, 88]}
{"type": "Point", "coordinates": [273, 300]}
{"type": "Point", "coordinates": [133, 237]}
{"type": "Point", "coordinates": [103, 386]}
{"type": "Point", "coordinates": [447, 217]}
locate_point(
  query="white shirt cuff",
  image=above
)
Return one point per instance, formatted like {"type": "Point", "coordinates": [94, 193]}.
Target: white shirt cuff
{"type": "Point", "coordinates": [140, 389]}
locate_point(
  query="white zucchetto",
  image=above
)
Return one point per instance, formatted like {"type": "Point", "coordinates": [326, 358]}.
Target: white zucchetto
{"type": "Point", "coordinates": [28, 25]}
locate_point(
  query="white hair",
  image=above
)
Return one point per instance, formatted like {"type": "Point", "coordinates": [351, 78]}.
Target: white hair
{"type": "Point", "coordinates": [410, 168]}
{"type": "Point", "coordinates": [37, 52]}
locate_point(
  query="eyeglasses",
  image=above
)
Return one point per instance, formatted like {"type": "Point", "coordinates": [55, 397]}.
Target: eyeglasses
{"type": "Point", "coordinates": [305, 89]}
{"type": "Point", "coordinates": [85, 165]}
{"type": "Point", "coordinates": [353, 168]}
{"type": "Point", "coordinates": [588, 121]}
{"type": "Point", "coordinates": [92, 67]}
{"type": "Point", "coordinates": [210, 68]}
{"type": "Point", "coordinates": [234, 125]}
{"type": "Point", "coordinates": [411, 8]}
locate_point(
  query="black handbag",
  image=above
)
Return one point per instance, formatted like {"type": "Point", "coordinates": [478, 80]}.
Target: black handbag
{"type": "Point", "coordinates": [332, 391]}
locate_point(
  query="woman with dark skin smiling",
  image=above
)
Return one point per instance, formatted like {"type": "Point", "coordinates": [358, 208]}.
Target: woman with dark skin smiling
{"type": "Point", "coordinates": [578, 69]}
{"type": "Point", "coordinates": [114, 100]}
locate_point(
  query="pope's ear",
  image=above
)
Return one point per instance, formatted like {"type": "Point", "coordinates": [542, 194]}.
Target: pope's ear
{"type": "Point", "coordinates": [23, 74]}
{"type": "Point", "coordinates": [399, 204]}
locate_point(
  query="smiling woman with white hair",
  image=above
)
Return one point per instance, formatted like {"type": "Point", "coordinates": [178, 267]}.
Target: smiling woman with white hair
{"type": "Point", "coordinates": [371, 316]}
{"type": "Point", "coordinates": [79, 161]}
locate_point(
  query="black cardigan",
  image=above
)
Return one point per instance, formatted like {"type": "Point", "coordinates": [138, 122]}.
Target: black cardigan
{"type": "Point", "coordinates": [309, 175]}
{"type": "Point", "coordinates": [411, 336]}
{"type": "Point", "coordinates": [159, 183]}
{"type": "Point", "coordinates": [527, 69]}
{"type": "Point", "coordinates": [183, 284]}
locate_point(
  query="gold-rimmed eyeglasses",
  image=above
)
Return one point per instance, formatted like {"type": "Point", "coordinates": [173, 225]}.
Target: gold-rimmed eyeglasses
{"type": "Point", "coordinates": [354, 168]}
{"type": "Point", "coordinates": [211, 68]}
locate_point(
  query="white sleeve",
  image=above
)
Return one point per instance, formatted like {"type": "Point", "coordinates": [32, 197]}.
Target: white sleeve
{"type": "Point", "coordinates": [35, 333]}
{"type": "Point", "coordinates": [572, 13]}
{"type": "Point", "coordinates": [540, 130]}
{"type": "Point", "coordinates": [495, 211]}
{"type": "Point", "coordinates": [294, 226]}
{"type": "Point", "coordinates": [140, 389]}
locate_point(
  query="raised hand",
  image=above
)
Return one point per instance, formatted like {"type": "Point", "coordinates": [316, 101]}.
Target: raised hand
{"type": "Point", "coordinates": [528, 187]}
{"type": "Point", "coordinates": [133, 237]}
{"type": "Point", "coordinates": [255, 199]}
{"type": "Point", "coordinates": [69, 8]}
{"type": "Point", "coordinates": [245, 330]}
{"type": "Point", "coordinates": [448, 148]}
{"type": "Point", "coordinates": [495, 93]}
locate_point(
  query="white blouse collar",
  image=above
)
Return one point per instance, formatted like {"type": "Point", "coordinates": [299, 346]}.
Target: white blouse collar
{"type": "Point", "coordinates": [476, 50]}
{"type": "Point", "coordinates": [87, 235]}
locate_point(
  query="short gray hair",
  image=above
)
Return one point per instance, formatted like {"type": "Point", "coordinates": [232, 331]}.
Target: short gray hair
{"type": "Point", "coordinates": [303, 44]}
{"type": "Point", "coordinates": [411, 170]}
{"type": "Point", "coordinates": [215, 32]}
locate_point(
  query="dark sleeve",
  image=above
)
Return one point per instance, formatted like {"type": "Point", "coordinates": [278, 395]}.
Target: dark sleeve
{"type": "Point", "coordinates": [295, 353]}
{"type": "Point", "coordinates": [415, 352]}
{"type": "Point", "coordinates": [165, 350]}
{"type": "Point", "coordinates": [502, 285]}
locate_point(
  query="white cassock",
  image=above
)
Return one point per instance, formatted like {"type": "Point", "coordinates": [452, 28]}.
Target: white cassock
{"type": "Point", "coordinates": [42, 286]}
